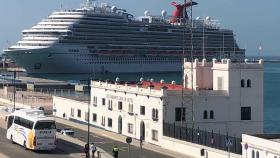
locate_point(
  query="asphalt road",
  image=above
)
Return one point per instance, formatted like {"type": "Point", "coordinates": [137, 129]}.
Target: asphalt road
{"type": "Point", "coordinates": [108, 144]}
{"type": "Point", "coordinates": [64, 149]}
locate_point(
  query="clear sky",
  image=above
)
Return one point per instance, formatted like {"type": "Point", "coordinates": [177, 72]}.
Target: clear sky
{"type": "Point", "coordinates": [253, 21]}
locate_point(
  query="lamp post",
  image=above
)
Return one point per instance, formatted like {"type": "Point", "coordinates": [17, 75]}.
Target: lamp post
{"type": "Point", "coordinates": [89, 96]}
{"type": "Point", "coordinates": [14, 83]}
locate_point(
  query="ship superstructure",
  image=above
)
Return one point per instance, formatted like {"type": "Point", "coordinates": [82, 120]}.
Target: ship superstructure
{"type": "Point", "coordinates": [108, 39]}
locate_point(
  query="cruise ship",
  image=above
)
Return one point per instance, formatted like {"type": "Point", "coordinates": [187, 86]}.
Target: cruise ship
{"type": "Point", "coordinates": [108, 39]}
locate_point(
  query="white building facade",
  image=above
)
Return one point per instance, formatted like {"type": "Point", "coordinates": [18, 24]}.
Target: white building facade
{"type": "Point", "coordinates": [227, 98]}
{"type": "Point", "coordinates": [261, 146]}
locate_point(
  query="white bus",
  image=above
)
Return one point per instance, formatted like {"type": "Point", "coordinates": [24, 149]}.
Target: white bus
{"type": "Point", "coordinates": [31, 129]}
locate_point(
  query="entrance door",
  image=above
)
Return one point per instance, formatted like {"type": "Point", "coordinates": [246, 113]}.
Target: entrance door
{"type": "Point", "coordinates": [142, 130]}
{"type": "Point", "coordinates": [120, 125]}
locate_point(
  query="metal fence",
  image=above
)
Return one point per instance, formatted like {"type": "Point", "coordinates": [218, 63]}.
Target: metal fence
{"type": "Point", "coordinates": [203, 137]}
{"type": "Point", "coordinates": [56, 92]}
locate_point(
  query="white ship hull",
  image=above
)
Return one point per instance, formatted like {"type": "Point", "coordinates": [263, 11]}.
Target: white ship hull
{"type": "Point", "coordinates": [58, 60]}
{"type": "Point", "coordinates": [106, 40]}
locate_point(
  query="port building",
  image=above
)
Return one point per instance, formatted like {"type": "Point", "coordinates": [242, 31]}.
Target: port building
{"type": "Point", "coordinates": [261, 146]}
{"type": "Point", "coordinates": [216, 99]}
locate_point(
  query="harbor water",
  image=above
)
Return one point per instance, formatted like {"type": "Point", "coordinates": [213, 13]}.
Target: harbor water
{"type": "Point", "coordinates": [271, 88]}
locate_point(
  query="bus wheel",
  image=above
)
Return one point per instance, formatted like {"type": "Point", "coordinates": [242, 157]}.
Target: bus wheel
{"type": "Point", "coordinates": [11, 139]}
{"type": "Point", "coordinates": [24, 145]}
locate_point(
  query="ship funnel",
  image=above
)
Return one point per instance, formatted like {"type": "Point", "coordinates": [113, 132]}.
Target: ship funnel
{"type": "Point", "coordinates": [179, 11]}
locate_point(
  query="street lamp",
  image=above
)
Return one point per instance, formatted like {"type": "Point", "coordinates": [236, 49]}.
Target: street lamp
{"type": "Point", "coordinates": [14, 84]}
{"type": "Point", "coordinates": [14, 91]}
{"type": "Point", "coordinates": [89, 98]}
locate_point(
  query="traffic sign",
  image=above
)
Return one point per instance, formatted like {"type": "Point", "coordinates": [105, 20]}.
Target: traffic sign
{"type": "Point", "coordinates": [228, 142]}
{"type": "Point", "coordinates": [128, 140]}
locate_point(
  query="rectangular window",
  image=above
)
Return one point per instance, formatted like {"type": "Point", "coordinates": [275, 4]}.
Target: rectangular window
{"type": "Point", "coordinates": [79, 113]}
{"type": "Point", "coordinates": [110, 105]}
{"type": "Point", "coordinates": [155, 135]}
{"type": "Point", "coordinates": [103, 121]}
{"type": "Point", "coordinates": [180, 114]}
{"type": "Point", "coordinates": [245, 113]}
{"type": "Point", "coordinates": [86, 116]}
{"type": "Point", "coordinates": [72, 112]}
{"type": "Point", "coordinates": [220, 83]}
{"type": "Point", "coordinates": [103, 101]}
{"type": "Point", "coordinates": [94, 101]}
{"type": "Point", "coordinates": [142, 110]}
{"type": "Point", "coordinates": [110, 122]}
{"type": "Point", "coordinates": [155, 114]}
{"type": "Point", "coordinates": [94, 117]}
{"type": "Point", "coordinates": [130, 108]}
{"type": "Point", "coordinates": [23, 122]}
{"type": "Point", "coordinates": [130, 128]}
{"type": "Point", "coordinates": [120, 105]}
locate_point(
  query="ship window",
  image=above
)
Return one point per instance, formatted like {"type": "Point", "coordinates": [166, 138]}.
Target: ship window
{"type": "Point", "coordinates": [37, 66]}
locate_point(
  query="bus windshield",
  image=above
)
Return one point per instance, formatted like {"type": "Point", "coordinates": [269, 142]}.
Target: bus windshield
{"type": "Point", "coordinates": [45, 125]}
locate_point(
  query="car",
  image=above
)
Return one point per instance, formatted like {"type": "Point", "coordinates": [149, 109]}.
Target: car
{"type": "Point", "coordinates": [68, 132]}
{"type": "Point", "coordinates": [40, 108]}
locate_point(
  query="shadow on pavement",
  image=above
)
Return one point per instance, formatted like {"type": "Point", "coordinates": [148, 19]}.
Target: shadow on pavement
{"type": "Point", "coordinates": [64, 148]}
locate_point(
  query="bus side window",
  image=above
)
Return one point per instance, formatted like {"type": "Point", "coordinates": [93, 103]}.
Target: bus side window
{"type": "Point", "coordinates": [10, 121]}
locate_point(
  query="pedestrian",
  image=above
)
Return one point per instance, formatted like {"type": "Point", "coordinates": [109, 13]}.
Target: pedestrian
{"type": "Point", "coordinates": [93, 149]}
{"type": "Point", "coordinates": [116, 152]}
{"type": "Point", "coordinates": [86, 150]}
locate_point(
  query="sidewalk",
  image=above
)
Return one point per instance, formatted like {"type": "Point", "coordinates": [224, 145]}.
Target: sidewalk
{"type": "Point", "coordinates": [121, 138]}
{"type": "Point", "coordinates": [3, 156]}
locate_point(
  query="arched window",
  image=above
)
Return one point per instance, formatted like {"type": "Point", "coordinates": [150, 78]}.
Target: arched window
{"type": "Point", "coordinates": [242, 83]}
{"type": "Point", "coordinates": [248, 83]}
{"type": "Point", "coordinates": [211, 114]}
{"type": "Point", "coordinates": [253, 154]}
{"type": "Point", "coordinates": [257, 155]}
{"type": "Point", "coordinates": [205, 115]}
